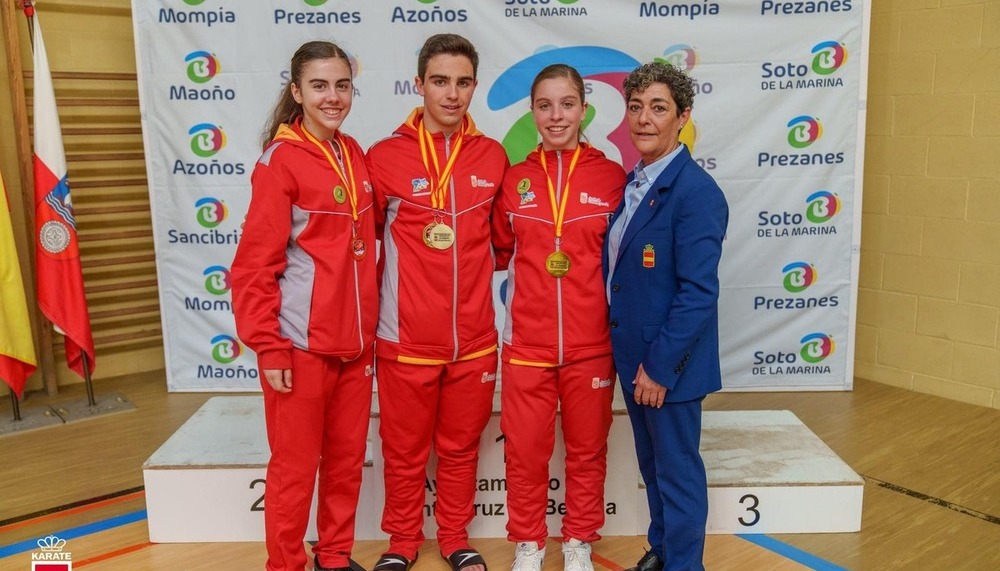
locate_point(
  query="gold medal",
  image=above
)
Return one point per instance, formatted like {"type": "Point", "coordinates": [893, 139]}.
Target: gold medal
{"type": "Point", "coordinates": [557, 264]}
{"type": "Point", "coordinates": [439, 236]}
{"type": "Point", "coordinates": [339, 194]}
{"type": "Point", "coordinates": [358, 248]}
{"type": "Point", "coordinates": [426, 234]}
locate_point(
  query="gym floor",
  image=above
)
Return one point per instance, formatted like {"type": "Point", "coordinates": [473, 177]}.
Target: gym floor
{"type": "Point", "coordinates": [931, 501]}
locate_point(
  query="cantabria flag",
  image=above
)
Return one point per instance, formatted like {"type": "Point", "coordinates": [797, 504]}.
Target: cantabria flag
{"type": "Point", "coordinates": [60, 277]}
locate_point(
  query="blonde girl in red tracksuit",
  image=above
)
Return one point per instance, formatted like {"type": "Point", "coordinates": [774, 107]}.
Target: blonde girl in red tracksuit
{"type": "Point", "coordinates": [304, 294]}
{"type": "Point", "coordinates": [549, 227]}
{"type": "Point", "coordinates": [435, 181]}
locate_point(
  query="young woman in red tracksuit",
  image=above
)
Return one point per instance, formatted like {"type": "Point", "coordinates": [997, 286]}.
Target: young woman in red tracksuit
{"type": "Point", "coordinates": [435, 181]}
{"type": "Point", "coordinates": [549, 227]}
{"type": "Point", "coordinates": [304, 294]}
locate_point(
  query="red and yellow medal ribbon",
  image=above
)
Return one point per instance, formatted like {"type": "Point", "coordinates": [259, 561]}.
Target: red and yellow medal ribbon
{"type": "Point", "coordinates": [439, 179]}
{"type": "Point", "coordinates": [559, 212]}
{"type": "Point", "coordinates": [352, 191]}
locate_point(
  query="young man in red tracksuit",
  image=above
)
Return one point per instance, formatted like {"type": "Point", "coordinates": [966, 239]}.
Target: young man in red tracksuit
{"type": "Point", "coordinates": [305, 302]}
{"type": "Point", "coordinates": [435, 181]}
{"type": "Point", "coordinates": [549, 226]}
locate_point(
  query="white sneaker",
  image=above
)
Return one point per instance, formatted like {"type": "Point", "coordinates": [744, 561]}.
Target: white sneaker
{"type": "Point", "coordinates": [528, 557]}
{"type": "Point", "coordinates": [576, 556]}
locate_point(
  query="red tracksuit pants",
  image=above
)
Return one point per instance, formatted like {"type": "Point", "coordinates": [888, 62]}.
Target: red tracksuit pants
{"type": "Point", "coordinates": [444, 405]}
{"type": "Point", "coordinates": [322, 424]}
{"type": "Point", "coordinates": [529, 396]}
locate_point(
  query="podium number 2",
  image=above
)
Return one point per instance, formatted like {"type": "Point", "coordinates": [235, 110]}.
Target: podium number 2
{"type": "Point", "coordinates": [257, 506]}
{"type": "Point", "coordinates": [752, 508]}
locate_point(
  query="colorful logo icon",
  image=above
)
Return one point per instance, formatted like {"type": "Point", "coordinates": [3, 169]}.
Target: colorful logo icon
{"type": "Point", "coordinates": [828, 57]}
{"type": "Point", "coordinates": [210, 212]}
{"type": "Point", "coordinates": [206, 139]}
{"type": "Point", "coordinates": [427, 1]}
{"type": "Point", "coordinates": [804, 131]}
{"type": "Point", "coordinates": [217, 280]}
{"type": "Point", "coordinates": [681, 56]}
{"type": "Point", "coordinates": [355, 64]}
{"type": "Point", "coordinates": [798, 276]}
{"type": "Point", "coordinates": [225, 349]}
{"type": "Point", "coordinates": [816, 347]}
{"type": "Point", "coordinates": [595, 63]}
{"type": "Point", "coordinates": [201, 66]}
{"type": "Point", "coordinates": [821, 206]}
{"type": "Point", "coordinates": [194, 2]}
{"type": "Point", "coordinates": [314, 2]}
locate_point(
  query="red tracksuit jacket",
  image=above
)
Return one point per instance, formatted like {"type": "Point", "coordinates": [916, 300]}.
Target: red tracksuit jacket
{"type": "Point", "coordinates": [552, 321]}
{"type": "Point", "coordinates": [296, 280]}
{"type": "Point", "coordinates": [435, 305]}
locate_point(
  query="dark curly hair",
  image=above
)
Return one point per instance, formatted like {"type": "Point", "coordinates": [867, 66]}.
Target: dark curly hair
{"type": "Point", "coordinates": [681, 86]}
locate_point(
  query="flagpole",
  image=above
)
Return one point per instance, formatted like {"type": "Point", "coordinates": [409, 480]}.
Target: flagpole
{"type": "Point", "coordinates": [15, 406]}
{"type": "Point", "coordinates": [47, 360]}
{"type": "Point", "coordinates": [88, 382]}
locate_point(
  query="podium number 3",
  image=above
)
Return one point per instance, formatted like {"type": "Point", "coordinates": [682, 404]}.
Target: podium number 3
{"type": "Point", "coordinates": [752, 508]}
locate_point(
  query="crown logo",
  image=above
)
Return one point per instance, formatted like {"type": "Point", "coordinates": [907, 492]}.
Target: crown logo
{"type": "Point", "coordinates": [51, 543]}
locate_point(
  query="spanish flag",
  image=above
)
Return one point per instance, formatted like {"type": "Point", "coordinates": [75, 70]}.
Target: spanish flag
{"type": "Point", "coordinates": [17, 351]}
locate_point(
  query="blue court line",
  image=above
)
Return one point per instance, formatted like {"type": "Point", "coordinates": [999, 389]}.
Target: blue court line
{"type": "Point", "coordinates": [793, 553]}
{"type": "Point", "coordinates": [75, 532]}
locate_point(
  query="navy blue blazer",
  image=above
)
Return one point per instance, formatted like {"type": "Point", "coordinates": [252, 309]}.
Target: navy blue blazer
{"type": "Point", "coordinates": [665, 289]}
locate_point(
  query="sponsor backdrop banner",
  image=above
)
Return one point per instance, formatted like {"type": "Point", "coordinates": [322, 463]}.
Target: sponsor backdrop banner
{"type": "Point", "coordinates": [778, 121]}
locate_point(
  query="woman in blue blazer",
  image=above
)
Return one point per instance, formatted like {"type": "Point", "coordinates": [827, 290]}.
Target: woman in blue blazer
{"type": "Point", "coordinates": [661, 262]}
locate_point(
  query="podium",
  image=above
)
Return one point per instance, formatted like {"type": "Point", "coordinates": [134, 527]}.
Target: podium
{"type": "Point", "coordinates": [767, 473]}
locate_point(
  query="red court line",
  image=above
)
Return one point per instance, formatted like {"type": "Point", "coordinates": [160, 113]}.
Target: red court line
{"type": "Point", "coordinates": [112, 554]}
{"type": "Point", "coordinates": [81, 509]}
{"type": "Point", "coordinates": [606, 562]}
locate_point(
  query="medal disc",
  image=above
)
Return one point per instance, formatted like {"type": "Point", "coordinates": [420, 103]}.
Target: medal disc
{"type": "Point", "coordinates": [441, 236]}
{"type": "Point", "coordinates": [426, 234]}
{"type": "Point", "coordinates": [358, 248]}
{"type": "Point", "coordinates": [339, 194]}
{"type": "Point", "coordinates": [557, 264]}
{"type": "Point", "coordinates": [523, 186]}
